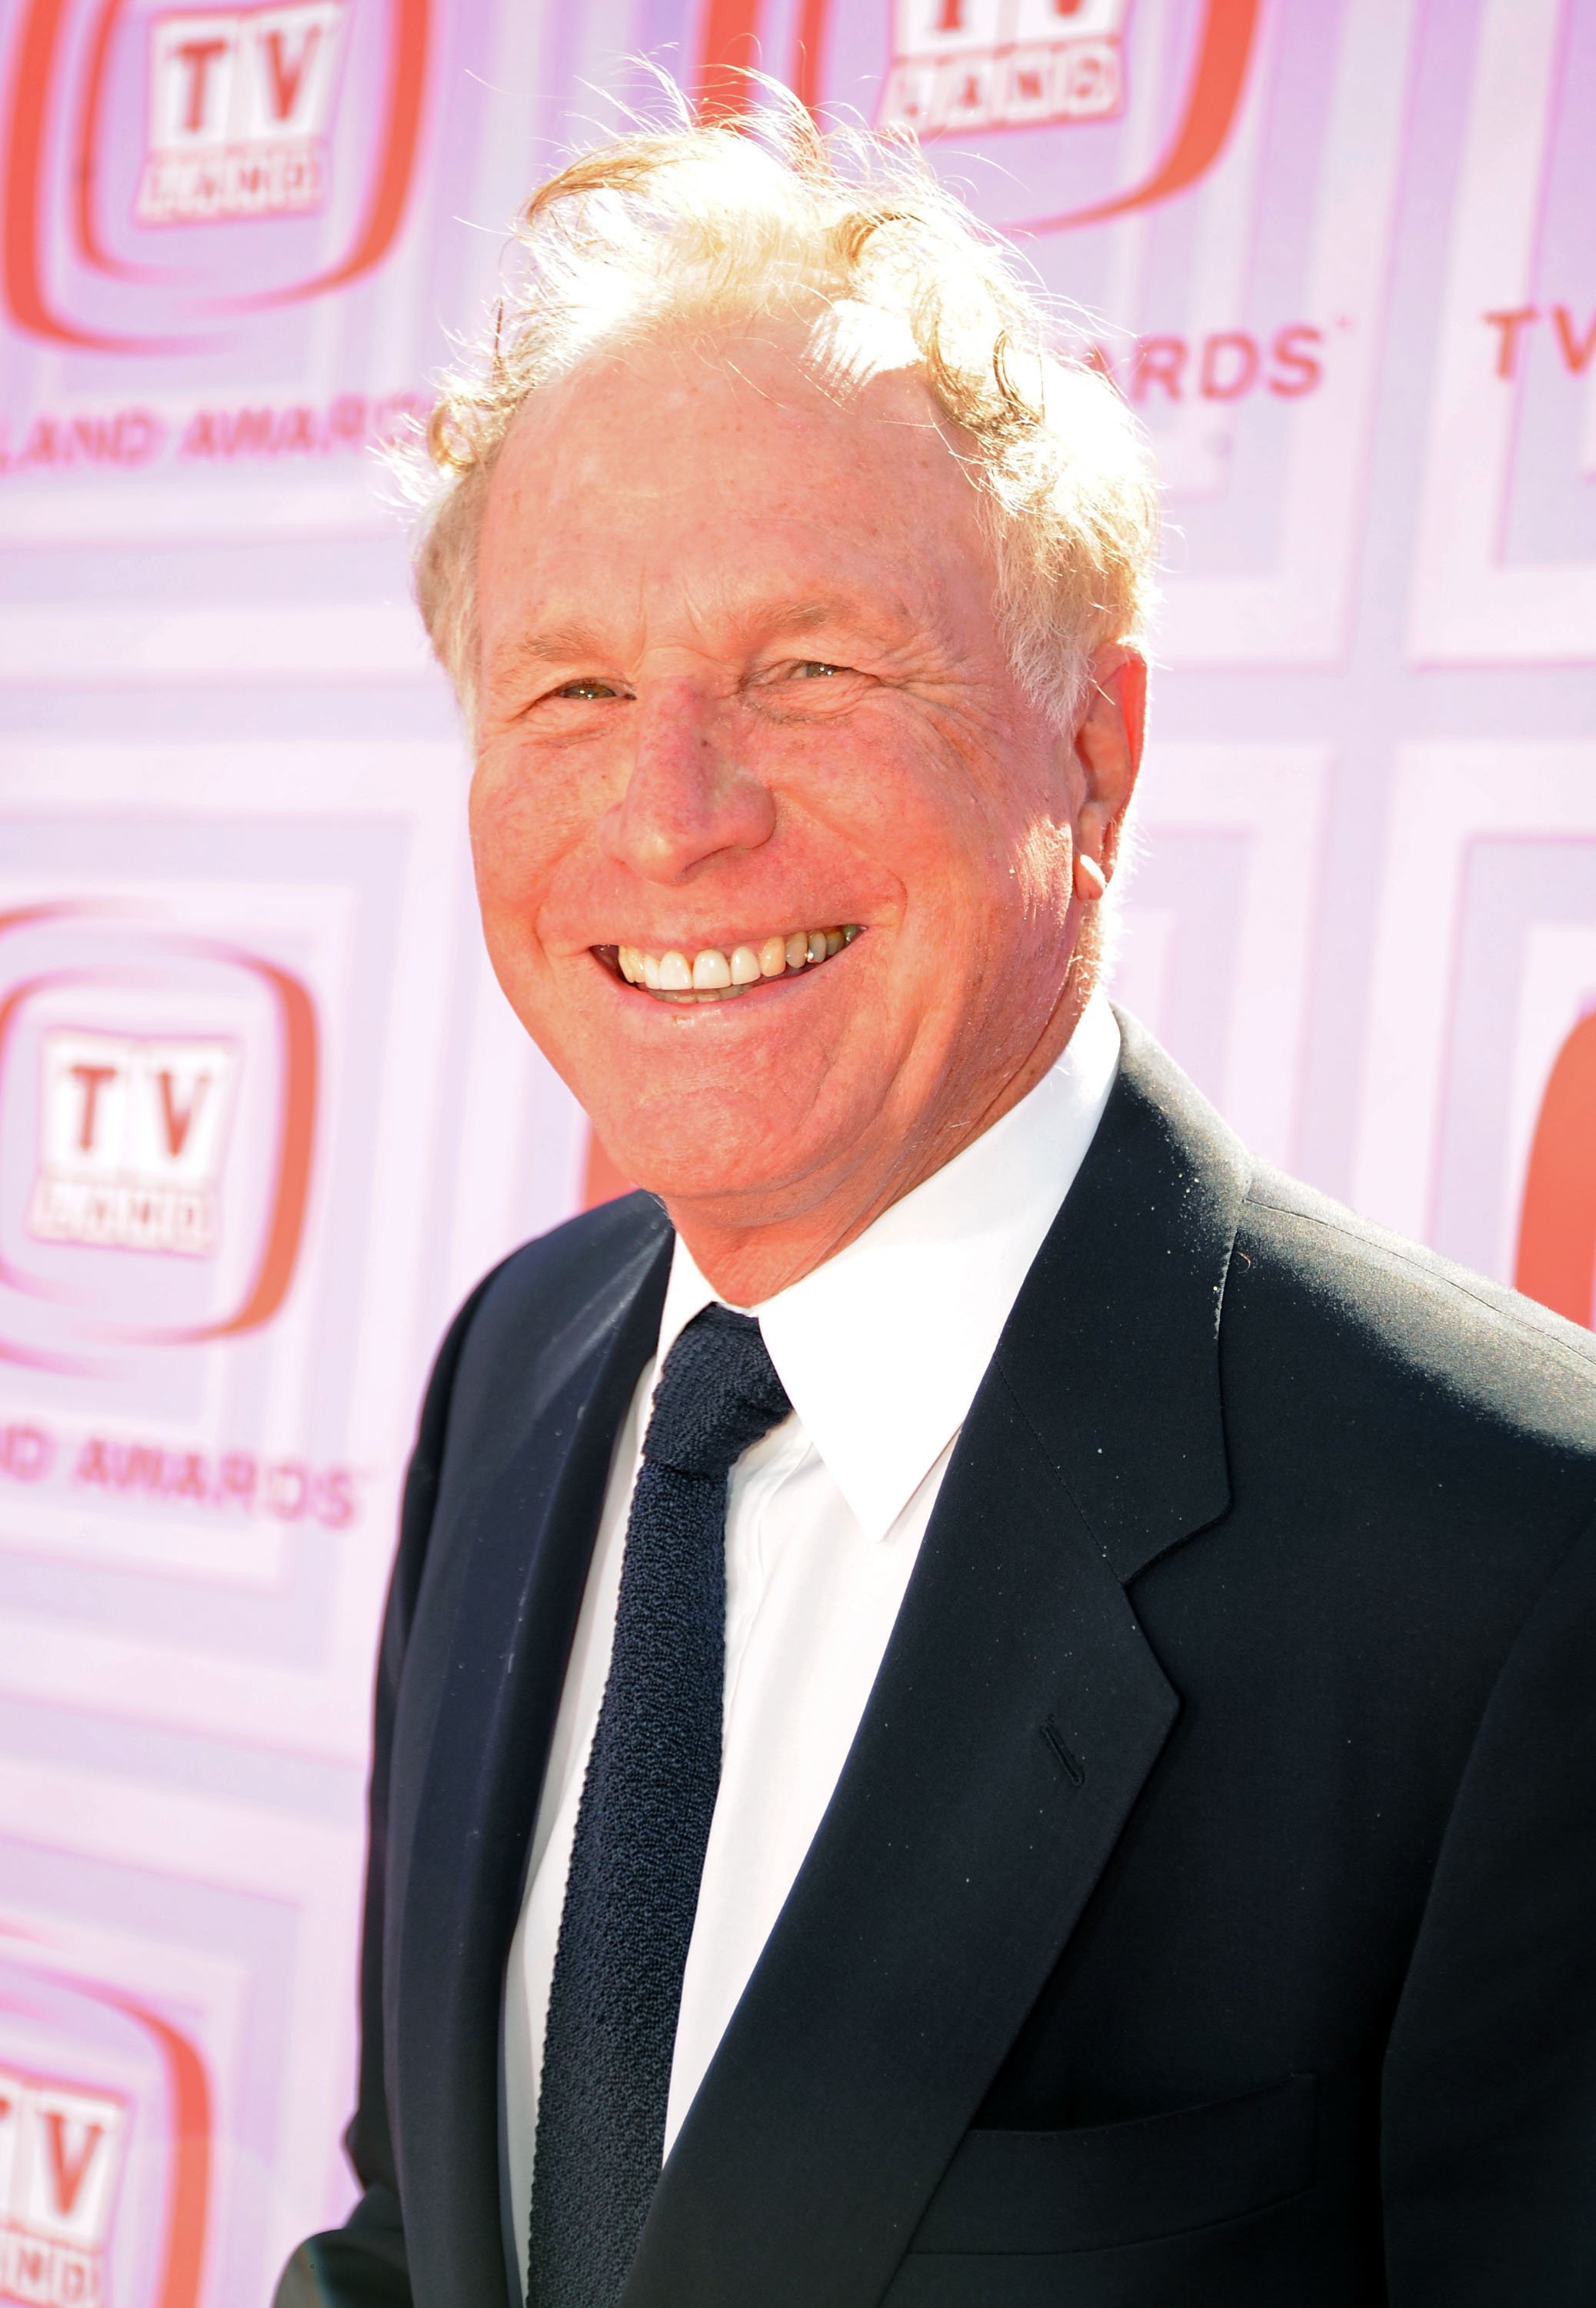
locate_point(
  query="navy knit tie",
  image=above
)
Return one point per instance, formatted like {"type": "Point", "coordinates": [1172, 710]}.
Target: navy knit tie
{"type": "Point", "coordinates": [643, 1824]}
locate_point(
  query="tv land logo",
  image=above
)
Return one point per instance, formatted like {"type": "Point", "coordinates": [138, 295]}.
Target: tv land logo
{"type": "Point", "coordinates": [978, 65]}
{"type": "Point", "coordinates": [986, 65]}
{"type": "Point", "coordinates": [107, 2133]}
{"type": "Point", "coordinates": [60, 2151]}
{"type": "Point", "coordinates": [131, 1135]}
{"type": "Point", "coordinates": [158, 1096]}
{"type": "Point", "coordinates": [167, 172]}
{"type": "Point", "coordinates": [239, 107]}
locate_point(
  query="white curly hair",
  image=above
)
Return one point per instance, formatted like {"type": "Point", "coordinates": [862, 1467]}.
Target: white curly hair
{"type": "Point", "coordinates": [714, 224]}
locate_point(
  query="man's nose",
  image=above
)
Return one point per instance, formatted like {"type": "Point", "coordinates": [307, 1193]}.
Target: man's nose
{"type": "Point", "coordinates": [689, 794]}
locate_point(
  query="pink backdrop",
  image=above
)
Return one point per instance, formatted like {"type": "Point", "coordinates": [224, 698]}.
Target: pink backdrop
{"type": "Point", "coordinates": [263, 1115]}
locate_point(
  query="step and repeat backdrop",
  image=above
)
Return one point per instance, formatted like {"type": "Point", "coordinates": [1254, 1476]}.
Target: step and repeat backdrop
{"type": "Point", "coordinates": [264, 1116]}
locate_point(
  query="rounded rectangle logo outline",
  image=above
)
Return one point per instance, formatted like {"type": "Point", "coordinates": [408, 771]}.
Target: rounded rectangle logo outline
{"type": "Point", "coordinates": [35, 68]}
{"type": "Point", "coordinates": [298, 1105]}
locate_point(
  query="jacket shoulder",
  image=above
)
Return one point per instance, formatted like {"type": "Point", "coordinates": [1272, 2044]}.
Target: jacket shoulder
{"type": "Point", "coordinates": [532, 1315]}
{"type": "Point", "coordinates": [518, 1335]}
{"type": "Point", "coordinates": [1364, 1304]}
{"type": "Point", "coordinates": [530, 1296]}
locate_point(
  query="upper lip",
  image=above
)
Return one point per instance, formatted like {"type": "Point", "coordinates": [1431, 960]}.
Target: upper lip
{"type": "Point", "coordinates": [708, 941]}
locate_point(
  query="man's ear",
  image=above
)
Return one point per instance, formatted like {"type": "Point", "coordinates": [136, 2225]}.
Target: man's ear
{"type": "Point", "coordinates": [1107, 748]}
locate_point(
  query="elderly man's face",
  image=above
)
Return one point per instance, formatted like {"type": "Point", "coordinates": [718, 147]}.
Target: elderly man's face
{"type": "Point", "coordinates": [742, 682]}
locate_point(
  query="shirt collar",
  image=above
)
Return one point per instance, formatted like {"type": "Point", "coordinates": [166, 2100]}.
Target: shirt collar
{"type": "Point", "coordinates": [882, 1347]}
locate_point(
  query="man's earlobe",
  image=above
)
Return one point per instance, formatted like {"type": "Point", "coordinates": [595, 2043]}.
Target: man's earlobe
{"type": "Point", "coordinates": [1091, 882]}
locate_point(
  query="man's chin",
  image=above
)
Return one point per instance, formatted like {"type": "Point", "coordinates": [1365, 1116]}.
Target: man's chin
{"type": "Point", "coordinates": [731, 1184]}
{"type": "Point", "coordinates": [734, 1195]}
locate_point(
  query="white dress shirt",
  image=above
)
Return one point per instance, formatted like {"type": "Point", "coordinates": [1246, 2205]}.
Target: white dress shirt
{"type": "Point", "coordinates": [880, 1350]}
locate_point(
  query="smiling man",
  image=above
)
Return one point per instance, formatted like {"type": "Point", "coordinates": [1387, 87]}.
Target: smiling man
{"type": "Point", "coordinates": [984, 1703]}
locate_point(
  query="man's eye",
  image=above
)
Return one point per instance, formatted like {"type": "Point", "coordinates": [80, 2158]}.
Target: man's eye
{"type": "Point", "coordinates": [587, 689]}
{"type": "Point", "coordinates": [813, 669]}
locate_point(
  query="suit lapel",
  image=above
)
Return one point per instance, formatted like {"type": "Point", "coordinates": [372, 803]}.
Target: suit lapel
{"type": "Point", "coordinates": [1016, 1715]}
{"type": "Point", "coordinates": [1112, 1350]}
{"type": "Point", "coordinates": [460, 1851]}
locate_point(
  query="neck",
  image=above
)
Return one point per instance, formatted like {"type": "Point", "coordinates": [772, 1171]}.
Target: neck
{"type": "Point", "coordinates": [748, 1258]}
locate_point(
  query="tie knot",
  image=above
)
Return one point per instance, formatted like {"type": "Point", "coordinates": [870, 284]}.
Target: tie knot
{"type": "Point", "coordinates": [717, 1394]}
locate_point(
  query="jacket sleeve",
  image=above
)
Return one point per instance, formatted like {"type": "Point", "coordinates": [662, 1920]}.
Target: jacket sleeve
{"type": "Point", "coordinates": [362, 2264]}
{"type": "Point", "coordinates": [1489, 2101]}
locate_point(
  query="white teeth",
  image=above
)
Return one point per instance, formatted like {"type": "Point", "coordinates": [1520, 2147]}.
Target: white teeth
{"type": "Point", "coordinates": [710, 975]}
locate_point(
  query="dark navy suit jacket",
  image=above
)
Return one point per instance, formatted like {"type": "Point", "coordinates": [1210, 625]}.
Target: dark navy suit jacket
{"type": "Point", "coordinates": [1205, 1916]}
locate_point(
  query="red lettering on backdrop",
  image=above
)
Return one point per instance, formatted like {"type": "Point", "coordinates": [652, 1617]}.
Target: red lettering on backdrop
{"type": "Point", "coordinates": [93, 1079]}
{"type": "Point", "coordinates": [1229, 365]}
{"type": "Point", "coordinates": [179, 1122]}
{"type": "Point", "coordinates": [69, 2168]}
{"type": "Point", "coordinates": [236, 1475]}
{"type": "Point", "coordinates": [337, 1508]}
{"type": "Point", "coordinates": [27, 1453]}
{"type": "Point", "coordinates": [199, 56]}
{"type": "Point", "coordinates": [92, 1466]}
{"type": "Point", "coordinates": [189, 1482]}
{"type": "Point", "coordinates": [138, 1467]}
{"type": "Point", "coordinates": [1303, 369]}
{"type": "Point", "coordinates": [132, 436]}
{"type": "Point", "coordinates": [287, 1491]}
{"type": "Point", "coordinates": [1557, 1232]}
{"type": "Point", "coordinates": [287, 78]}
{"type": "Point", "coordinates": [1159, 360]}
{"type": "Point", "coordinates": [1511, 325]}
{"type": "Point", "coordinates": [1576, 350]}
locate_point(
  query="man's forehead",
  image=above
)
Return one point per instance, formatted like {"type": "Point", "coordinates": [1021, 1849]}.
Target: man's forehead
{"type": "Point", "coordinates": [638, 502]}
{"type": "Point", "coordinates": [850, 373]}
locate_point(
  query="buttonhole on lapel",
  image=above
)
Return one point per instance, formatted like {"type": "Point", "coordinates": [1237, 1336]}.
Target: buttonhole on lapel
{"type": "Point", "coordinates": [1071, 1765]}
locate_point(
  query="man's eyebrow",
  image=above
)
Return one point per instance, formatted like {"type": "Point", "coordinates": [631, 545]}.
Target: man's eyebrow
{"type": "Point", "coordinates": [572, 643]}
{"type": "Point", "coordinates": [557, 645]}
{"type": "Point", "coordinates": [802, 613]}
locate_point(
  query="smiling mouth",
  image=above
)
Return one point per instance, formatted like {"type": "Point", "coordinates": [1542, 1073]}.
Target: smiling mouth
{"type": "Point", "coordinates": [711, 975]}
